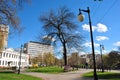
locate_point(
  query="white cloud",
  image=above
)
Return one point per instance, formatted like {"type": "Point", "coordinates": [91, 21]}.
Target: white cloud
{"type": "Point", "coordinates": [81, 53]}
{"type": "Point", "coordinates": [117, 43]}
{"type": "Point", "coordinates": [77, 32]}
{"type": "Point", "coordinates": [49, 38]}
{"type": "Point", "coordinates": [114, 49]}
{"type": "Point", "coordinates": [88, 44]}
{"type": "Point", "coordinates": [73, 50]}
{"type": "Point", "coordinates": [101, 38]}
{"type": "Point", "coordinates": [96, 44]}
{"type": "Point", "coordinates": [86, 27]}
{"type": "Point", "coordinates": [99, 28]}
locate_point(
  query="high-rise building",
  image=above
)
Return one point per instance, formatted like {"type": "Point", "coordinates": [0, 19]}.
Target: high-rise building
{"type": "Point", "coordinates": [37, 48]}
{"type": "Point", "coordinates": [4, 29]}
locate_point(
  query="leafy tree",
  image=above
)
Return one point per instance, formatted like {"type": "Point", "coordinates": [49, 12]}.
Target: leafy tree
{"type": "Point", "coordinates": [106, 61]}
{"type": "Point", "coordinates": [35, 60]}
{"type": "Point", "coordinates": [61, 28]}
{"type": "Point", "coordinates": [57, 61]}
{"type": "Point", "coordinates": [114, 57]}
{"type": "Point", "coordinates": [49, 59]}
{"type": "Point", "coordinates": [111, 59]}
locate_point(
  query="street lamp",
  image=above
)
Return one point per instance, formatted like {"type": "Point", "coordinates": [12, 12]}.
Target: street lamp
{"type": "Point", "coordinates": [102, 48]}
{"type": "Point", "coordinates": [81, 18]}
{"type": "Point", "coordinates": [20, 60]}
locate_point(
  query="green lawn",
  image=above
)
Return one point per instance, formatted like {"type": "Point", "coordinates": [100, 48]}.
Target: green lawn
{"type": "Point", "coordinates": [14, 76]}
{"type": "Point", "coordinates": [105, 75]}
{"type": "Point", "coordinates": [47, 70]}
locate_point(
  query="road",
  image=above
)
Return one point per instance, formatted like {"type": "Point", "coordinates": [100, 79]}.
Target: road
{"type": "Point", "coordinates": [74, 75]}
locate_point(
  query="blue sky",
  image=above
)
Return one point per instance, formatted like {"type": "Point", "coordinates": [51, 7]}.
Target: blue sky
{"type": "Point", "coordinates": [105, 16]}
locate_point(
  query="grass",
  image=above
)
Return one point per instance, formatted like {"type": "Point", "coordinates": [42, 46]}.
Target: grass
{"type": "Point", "coordinates": [105, 75]}
{"type": "Point", "coordinates": [13, 76]}
{"type": "Point", "coordinates": [47, 70]}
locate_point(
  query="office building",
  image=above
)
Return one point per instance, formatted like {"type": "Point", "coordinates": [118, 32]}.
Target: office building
{"type": "Point", "coordinates": [36, 48]}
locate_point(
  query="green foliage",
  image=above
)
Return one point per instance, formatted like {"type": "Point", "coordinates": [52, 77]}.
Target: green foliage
{"type": "Point", "coordinates": [47, 70]}
{"type": "Point", "coordinates": [105, 75]}
{"type": "Point", "coordinates": [49, 59]}
{"type": "Point", "coordinates": [13, 76]}
{"type": "Point", "coordinates": [111, 59]}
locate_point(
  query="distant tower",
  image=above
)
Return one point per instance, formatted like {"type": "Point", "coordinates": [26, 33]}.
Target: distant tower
{"type": "Point", "coordinates": [4, 29]}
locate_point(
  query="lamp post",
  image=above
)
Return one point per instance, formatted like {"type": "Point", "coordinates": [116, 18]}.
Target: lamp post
{"type": "Point", "coordinates": [101, 48]}
{"type": "Point", "coordinates": [81, 18]}
{"type": "Point", "coordinates": [20, 60]}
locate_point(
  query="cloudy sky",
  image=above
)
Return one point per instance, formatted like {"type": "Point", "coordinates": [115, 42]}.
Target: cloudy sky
{"type": "Point", "coordinates": [105, 16]}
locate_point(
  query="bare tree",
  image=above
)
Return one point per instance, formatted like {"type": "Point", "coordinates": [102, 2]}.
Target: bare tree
{"type": "Point", "coordinates": [119, 48]}
{"type": "Point", "coordinates": [8, 13]}
{"type": "Point", "coordinates": [61, 28]}
{"type": "Point", "coordinates": [74, 59]}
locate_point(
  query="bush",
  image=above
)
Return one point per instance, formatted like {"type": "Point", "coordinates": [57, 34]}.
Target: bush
{"type": "Point", "coordinates": [46, 69]}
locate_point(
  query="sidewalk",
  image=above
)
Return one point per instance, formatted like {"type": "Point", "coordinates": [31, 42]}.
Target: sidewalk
{"type": "Point", "coordinates": [74, 75]}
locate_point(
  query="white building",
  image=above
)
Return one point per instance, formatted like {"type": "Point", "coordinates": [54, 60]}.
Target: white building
{"type": "Point", "coordinates": [10, 58]}
{"type": "Point", "coordinates": [37, 48]}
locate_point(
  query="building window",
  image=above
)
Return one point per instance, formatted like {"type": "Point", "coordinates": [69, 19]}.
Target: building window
{"type": "Point", "coordinates": [6, 54]}
{"type": "Point", "coordinates": [0, 62]}
{"type": "Point", "coordinates": [9, 55]}
{"type": "Point", "coordinates": [16, 63]}
{"type": "Point", "coordinates": [3, 63]}
{"type": "Point", "coordinates": [12, 55]}
{"type": "Point", "coordinates": [3, 54]}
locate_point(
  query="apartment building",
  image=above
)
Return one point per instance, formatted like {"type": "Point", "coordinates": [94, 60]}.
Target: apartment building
{"type": "Point", "coordinates": [9, 58]}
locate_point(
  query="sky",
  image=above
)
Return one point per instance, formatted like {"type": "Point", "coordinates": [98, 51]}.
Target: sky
{"type": "Point", "coordinates": [104, 14]}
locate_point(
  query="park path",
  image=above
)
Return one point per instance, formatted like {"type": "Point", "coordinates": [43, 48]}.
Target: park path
{"type": "Point", "coordinates": [74, 75]}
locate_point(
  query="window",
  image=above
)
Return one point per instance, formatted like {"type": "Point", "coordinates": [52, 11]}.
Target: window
{"type": "Point", "coordinates": [0, 62]}
{"type": "Point", "coordinates": [16, 63]}
{"type": "Point", "coordinates": [12, 55]}
{"type": "Point", "coordinates": [9, 55]}
{"type": "Point", "coordinates": [3, 63]}
{"type": "Point", "coordinates": [3, 54]}
{"type": "Point", "coordinates": [6, 54]}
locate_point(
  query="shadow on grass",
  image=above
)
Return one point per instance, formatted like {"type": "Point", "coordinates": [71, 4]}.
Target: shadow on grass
{"type": "Point", "coordinates": [7, 72]}
{"type": "Point", "coordinates": [105, 75]}
{"type": "Point", "coordinates": [109, 76]}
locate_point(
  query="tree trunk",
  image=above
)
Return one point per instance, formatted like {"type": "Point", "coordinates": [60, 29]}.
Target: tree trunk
{"type": "Point", "coordinates": [65, 54]}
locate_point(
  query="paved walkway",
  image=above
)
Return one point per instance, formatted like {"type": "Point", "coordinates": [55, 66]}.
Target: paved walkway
{"type": "Point", "coordinates": [74, 75]}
